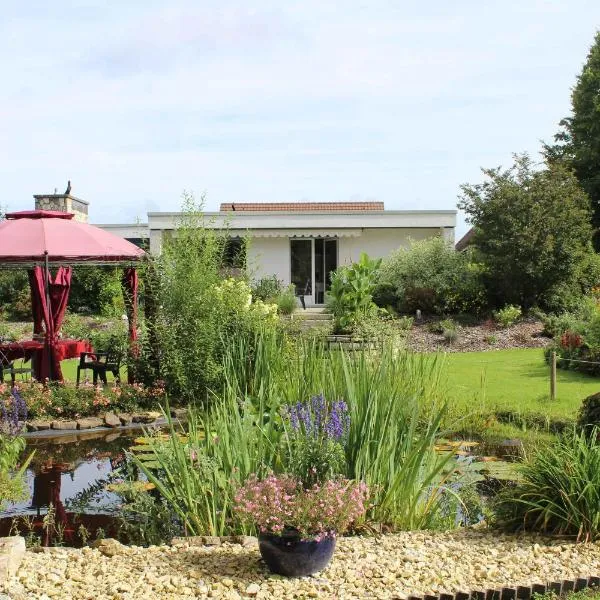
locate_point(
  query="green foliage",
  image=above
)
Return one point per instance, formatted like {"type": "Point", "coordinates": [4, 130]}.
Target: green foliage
{"type": "Point", "coordinates": [405, 323]}
{"type": "Point", "coordinates": [450, 335]}
{"type": "Point", "coordinates": [559, 491]}
{"type": "Point", "coordinates": [532, 229]}
{"type": "Point", "coordinates": [589, 414]}
{"type": "Point", "coordinates": [12, 483]}
{"type": "Point", "coordinates": [508, 315]}
{"type": "Point", "coordinates": [97, 290]}
{"type": "Point", "coordinates": [394, 420]}
{"type": "Point", "coordinates": [350, 297]}
{"type": "Point", "coordinates": [267, 288]}
{"type": "Point", "coordinates": [195, 314]}
{"type": "Point", "coordinates": [432, 277]}
{"type": "Point", "coordinates": [576, 337]}
{"type": "Point", "coordinates": [286, 301]}
{"type": "Point", "coordinates": [578, 142]}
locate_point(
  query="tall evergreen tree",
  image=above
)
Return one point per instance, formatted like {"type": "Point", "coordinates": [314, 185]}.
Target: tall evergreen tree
{"type": "Point", "coordinates": [578, 142]}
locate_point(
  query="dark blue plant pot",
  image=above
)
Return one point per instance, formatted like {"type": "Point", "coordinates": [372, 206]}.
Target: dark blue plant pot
{"type": "Point", "coordinates": [290, 556]}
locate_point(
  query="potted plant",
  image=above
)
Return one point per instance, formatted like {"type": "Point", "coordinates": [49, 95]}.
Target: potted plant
{"type": "Point", "coordinates": [297, 527]}
{"type": "Point", "coordinates": [299, 514]}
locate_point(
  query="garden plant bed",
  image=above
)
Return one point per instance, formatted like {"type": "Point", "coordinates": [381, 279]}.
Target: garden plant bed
{"type": "Point", "coordinates": [392, 566]}
{"type": "Point", "coordinates": [479, 337]}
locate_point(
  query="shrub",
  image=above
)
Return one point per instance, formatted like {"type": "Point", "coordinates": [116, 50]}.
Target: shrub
{"type": "Point", "coordinates": [559, 491]}
{"type": "Point", "coordinates": [491, 339]}
{"type": "Point", "coordinates": [286, 301]}
{"type": "Point", "coordinates": [267, 288]}
{"type": "Point", "coordinates": [589, 413]}
{"type": "Point", "coordinates": [450, 335]}
{"type": "Point", "coordinates": [532, 229]}
{"type": "Point", "coordinates": [350, 298]}
{"type": "Point", "coordinates": [508, 315]}
{"type": "Point", "coordinates": [431, 276]}
{"type": "Point", "coordinates": [195, 315]}
{"type": "Point", "coordinates": [405, 323]}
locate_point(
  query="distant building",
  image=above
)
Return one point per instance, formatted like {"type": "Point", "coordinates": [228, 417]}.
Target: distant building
{"type": "Point", "coordinates": [302, 243]}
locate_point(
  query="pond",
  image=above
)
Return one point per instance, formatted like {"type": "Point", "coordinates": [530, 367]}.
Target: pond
{"type": "Point", "coordinates": [71, 473]}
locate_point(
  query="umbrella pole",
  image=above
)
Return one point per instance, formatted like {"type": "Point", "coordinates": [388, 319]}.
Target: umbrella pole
{"type": "Point", "coordinates": [47, 290]}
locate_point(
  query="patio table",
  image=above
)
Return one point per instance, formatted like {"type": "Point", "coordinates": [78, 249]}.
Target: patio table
{"type": "Point", "coordinates": [32, 350]}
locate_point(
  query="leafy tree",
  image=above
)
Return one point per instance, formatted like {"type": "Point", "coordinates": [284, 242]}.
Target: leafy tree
{"type": "Point", "coordinates": [532, 228]}
{"type": "Point", "coordinates": [431, 276]}
{"type": "Point", "coordinates": [578, 141]}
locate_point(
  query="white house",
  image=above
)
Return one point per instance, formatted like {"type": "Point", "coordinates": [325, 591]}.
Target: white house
{"type": "Point", "coordinates": [301, 243]}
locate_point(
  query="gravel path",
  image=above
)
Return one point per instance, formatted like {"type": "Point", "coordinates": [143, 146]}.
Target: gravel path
{"type": "Point", "coordinates": [392, 566]}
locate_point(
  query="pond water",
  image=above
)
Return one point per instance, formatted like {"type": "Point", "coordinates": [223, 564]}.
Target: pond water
{"type": "Point", "coordinates": [71, 472]}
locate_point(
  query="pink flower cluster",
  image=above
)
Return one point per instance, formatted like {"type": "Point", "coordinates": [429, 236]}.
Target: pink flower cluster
{"type": "Point", "coordinates": [280, 502]}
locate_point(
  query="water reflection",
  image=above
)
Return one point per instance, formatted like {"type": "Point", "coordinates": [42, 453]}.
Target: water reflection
{"type": "Point", "coordinates": [69, 473]}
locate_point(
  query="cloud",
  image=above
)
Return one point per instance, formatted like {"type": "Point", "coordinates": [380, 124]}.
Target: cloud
{"type": "Point", "coordinates": [278, 101]}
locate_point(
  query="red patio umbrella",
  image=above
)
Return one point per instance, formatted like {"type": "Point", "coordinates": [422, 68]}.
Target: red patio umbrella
{"type": "Point", "coordinates": [36, 239]}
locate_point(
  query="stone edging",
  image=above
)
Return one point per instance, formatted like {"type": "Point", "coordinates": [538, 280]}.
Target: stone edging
{"type": "Point", "coordinates": [560, 588]}
{"type": "Point", "coordinates": [110, 421]}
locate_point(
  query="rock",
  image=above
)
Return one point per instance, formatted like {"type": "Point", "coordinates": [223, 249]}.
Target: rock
{"type": "Point", "coordinates": [63, 425]}
{"type": "Point", "coordinates": [179, 413]}
{"type": "Point", "coordinates": [12, 552]}
{"type": "Point", "coordinates": [245, 540]}
{"type": "Point", "coordinates": [253, 589]}
{"type": "Point", "coordinates": [111, 437]}
{"type": "Point", "coordinates": [146, 417]}
{"type": "Point", "coordinates": [109, 547]}
{"type": "Point", "coordinates": [125, 418]}
{"type": "Point", "coordinates": [38, 425]}
{"type": "Point", "coordinates": [111, 420]}
{"type": "Point", "coordinates": [89, 423]}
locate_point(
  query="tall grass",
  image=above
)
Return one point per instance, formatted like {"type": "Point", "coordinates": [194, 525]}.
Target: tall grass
{"type": "Point", "coordinates": [560, 489]}
{"type": "Point", "coordinates": [393, 399]}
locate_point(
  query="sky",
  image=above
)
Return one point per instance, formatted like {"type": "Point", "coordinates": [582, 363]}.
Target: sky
{"type": "Point", "coordinates": [402, 102]}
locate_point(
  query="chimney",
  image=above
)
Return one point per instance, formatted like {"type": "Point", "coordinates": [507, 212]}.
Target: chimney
{"type": "Point", "coordinates": [63, 203]}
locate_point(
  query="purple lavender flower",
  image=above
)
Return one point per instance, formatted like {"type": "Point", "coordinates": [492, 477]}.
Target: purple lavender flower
{"type": "Point", "coordinates": [318, 420]}
{"type": "Point", "coordinates": [338, 421]}
{"type": "Point", "coordinates": [11, 415]}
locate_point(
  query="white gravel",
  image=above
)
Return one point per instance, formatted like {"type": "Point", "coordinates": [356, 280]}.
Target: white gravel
{"type": "Point", "coordinates": [391, 566]}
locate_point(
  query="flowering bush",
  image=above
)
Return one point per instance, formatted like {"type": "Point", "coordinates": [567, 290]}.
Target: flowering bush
{"type": "Point", "coordinates": [316, 435]}
{"type": "Point", "coordinates": [64, 400]}
{"type": "Point", "coordinates": [280, 504]}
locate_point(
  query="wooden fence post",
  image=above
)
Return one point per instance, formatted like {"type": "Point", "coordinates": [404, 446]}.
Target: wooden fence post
{"type": "Point", "coordinates": [553, 377]}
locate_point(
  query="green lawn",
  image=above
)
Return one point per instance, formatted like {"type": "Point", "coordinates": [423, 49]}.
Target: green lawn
{"type": "Point", "coordinates": [516, 380]}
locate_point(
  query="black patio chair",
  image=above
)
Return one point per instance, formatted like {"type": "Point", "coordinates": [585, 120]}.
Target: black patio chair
{"type": "Point", "coordinates": [300, 293]}
{"type": "Point", "coordinates": [100, 363]}
{"type": "Point", "coordinates": [7, 365]}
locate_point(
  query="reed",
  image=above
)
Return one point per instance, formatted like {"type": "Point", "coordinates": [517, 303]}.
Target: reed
{"type": "Point", "coordinates": [395, 412]}
{"type": "Point", "coordinates": [559, 491]}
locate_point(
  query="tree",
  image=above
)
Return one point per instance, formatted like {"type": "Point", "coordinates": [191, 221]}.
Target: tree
{"type": "Point", "coordinates": [578, 142]}
{"type": "Point", "coordinates": [532, 228]}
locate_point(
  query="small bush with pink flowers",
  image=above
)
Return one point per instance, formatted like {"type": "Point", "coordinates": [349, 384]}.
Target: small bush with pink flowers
{"type": "Point", "coordinates": [64, 400]}
{"type": "Point", "coordinates": [279, 504]}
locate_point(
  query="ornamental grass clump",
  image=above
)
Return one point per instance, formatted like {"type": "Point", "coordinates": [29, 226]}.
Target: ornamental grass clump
{"type": "Point", "coordinates": [559, 490]}
{"type": "Point", "coordinates": [281, 505]}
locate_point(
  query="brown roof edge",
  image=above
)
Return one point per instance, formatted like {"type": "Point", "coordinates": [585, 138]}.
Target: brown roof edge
{"type": "Point", "coordinates": [465, 240]}
{"type": "Point", "coordinates": [300, 206]}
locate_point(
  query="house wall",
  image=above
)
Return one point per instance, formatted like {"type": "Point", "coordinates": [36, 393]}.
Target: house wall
{"type": "Point", "coordinates": [270, 256]}
{"type": "Point", "coordinates": [379, 243]}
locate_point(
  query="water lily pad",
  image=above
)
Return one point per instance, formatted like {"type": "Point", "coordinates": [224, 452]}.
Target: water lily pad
{"type": "Point", "coordinates": [130, 486]}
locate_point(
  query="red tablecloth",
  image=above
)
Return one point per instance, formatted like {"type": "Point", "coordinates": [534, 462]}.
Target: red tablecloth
{"type": "Point", "coordinates": [31, 349]}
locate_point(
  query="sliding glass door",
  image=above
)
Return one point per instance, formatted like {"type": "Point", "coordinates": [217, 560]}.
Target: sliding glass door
{"type": "Point", "coordinates": [312, 262]}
